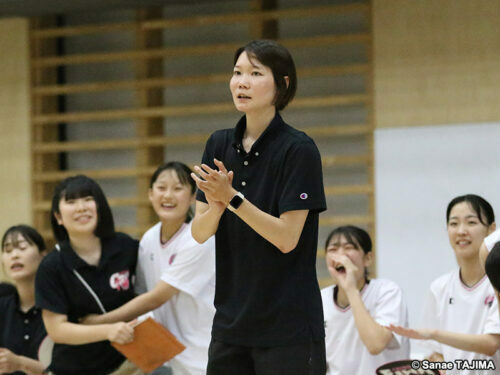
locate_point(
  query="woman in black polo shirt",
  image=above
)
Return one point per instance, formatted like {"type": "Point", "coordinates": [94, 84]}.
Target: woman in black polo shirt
{"type": "Point", "coordinates": [269, 318]}
{"type": "Point", "coordinates": [21, 326]}
{"type": "Point", "coordinates": [90, 272]}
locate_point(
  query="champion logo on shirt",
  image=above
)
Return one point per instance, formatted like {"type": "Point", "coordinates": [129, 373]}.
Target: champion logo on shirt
{"type": "Point", "coordinates": [303, 196]}
{"type": "Point", "coordinates": [489, 300]}
{"type": "Point", "coordinates": [120, 280]}
{"type": "Point", "coordinates": [171, 259]}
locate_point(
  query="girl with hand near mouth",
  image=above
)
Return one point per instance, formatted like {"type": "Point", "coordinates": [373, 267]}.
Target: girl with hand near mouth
{"type": "Point", "coordinates": [461, 311]}
{"type": "Point", "coordinates": [90, 271]}
{"type": "Point", "coordinates": [175, 273]}
{"type": "Point", "coordinates": [357, 310]}
{"type": "Point", "coordinates": [21, 326]}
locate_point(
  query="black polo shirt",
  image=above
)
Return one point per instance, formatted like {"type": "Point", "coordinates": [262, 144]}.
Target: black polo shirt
{"type": "Point", "coordinates": [264, 297]}
{"type": "Point", "coordinates": [7, 289]}
{"type": "Point", "coordinates": [20, 332]}
{"type": "Point", "coordinates": [59, 290]}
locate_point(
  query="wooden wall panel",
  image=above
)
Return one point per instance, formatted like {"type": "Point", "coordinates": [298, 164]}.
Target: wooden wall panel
{"type": "Point", "coordinates": [436, 62]}
{"type": "Point", "coordinates": [15, 159]}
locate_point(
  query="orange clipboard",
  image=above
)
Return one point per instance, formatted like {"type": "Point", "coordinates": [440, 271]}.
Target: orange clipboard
{"type": "Point", "coordinates": [153, 345]}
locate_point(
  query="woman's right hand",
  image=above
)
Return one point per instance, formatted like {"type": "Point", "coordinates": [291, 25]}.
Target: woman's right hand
{"type": "Point", "coordinates": [416, 334]}
{"type": "Point", "coordinates": [121, 333]}
{"type": "Point", "coordinates": [215, 205]}
{"type": "Point", "coordinates": [9, 362]}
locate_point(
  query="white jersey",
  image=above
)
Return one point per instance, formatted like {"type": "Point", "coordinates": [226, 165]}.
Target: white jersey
{"type": "Point", "coordinates": [492, 239]}
{"type": "Point", "coordinates": [190, 267]}
{"type": "Point", "coordinates": [345, 352]}
{"type": "Point", "coordinates": [453, 306]}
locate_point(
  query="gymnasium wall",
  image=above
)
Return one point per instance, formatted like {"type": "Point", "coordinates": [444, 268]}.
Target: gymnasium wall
{"type": "Point", "coordinates": [15, 162]}
{"type": "Point", "coordinates": [436, 62]}
{"type": "Point", "coordinates": [434, 65]}
{"type": "Point", "coordinates": [437, 89]}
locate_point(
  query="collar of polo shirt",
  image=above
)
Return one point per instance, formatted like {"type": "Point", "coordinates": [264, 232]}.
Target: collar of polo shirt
{"type": "Point", "coordinates": [275, 126]}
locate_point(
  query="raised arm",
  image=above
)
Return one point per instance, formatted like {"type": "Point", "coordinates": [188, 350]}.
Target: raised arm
{"type": "Point", "coordinates": [206, 220]}
{"type": "Point", "coordinates": [374, 336]}
{"type": "Point", "coordinates": [10, 362]}
{"type": "Point", "coordinates": [141, 304]}
{"type": "Point", "coordinates": [64, 332]}
{"type": "Point", "coordinates": [283, 232]}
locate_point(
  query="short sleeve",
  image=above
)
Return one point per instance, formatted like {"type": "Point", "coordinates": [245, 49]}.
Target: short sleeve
{"type": "Point", "coordinates": [208, 159]}
{"type": "Point", "coordinates": [140, 276]}
{"type": "Point", "coordinates": [49, 287]}
{"type": "Point", "coordinates": [492, 325]}
{"type": "Point", "coordinates": [391, 308]}
{"type": "Point", "coordinates": [492, 239]}
{"type": "Point", "coordinates": [430, 320]}
{"type": "Point", "coordinates": [302, 179]}
{"type": "Point", "coordinates": [192, 268]}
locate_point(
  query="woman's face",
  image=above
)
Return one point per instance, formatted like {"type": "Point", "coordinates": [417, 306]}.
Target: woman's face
{"type": "Point", "coordinates": [252, 85]}
{"type": "Point", "coordinates": [338, 248]}
{"type": "Point", "coordinates": [465, 231]}
{"type": "Point", "coordinates": [170, 198]}
{"type": "Point", "coordinates": [20, 258]}
{"type": "Point", "coordinates": [78, 215]}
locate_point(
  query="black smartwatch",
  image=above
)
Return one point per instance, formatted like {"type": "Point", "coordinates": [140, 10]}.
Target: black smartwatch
{"type": "Point", "coordinates": [236, 201]}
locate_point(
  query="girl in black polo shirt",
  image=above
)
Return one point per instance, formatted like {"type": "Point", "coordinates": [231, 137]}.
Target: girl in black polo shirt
{"type": "Point", "coordinates": [21, 326]}
{"type": "Point", "coordinates": [91, 271]}
{"type": "Point", "coordinates": [269, 318]}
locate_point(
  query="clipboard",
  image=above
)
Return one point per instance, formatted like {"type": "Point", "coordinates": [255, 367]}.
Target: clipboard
{"type": "Point", "coordinates": [153, 345]}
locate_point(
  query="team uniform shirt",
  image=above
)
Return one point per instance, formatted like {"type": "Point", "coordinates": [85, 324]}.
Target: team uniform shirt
{"type": "Point", "coordinates": [190, 267]}
{"type": "Point", "coordinates": [20, 332]}
{"type": "Point", "coordinates": [263, 296]}
{"type": "Point", "coordinates": [58, 289]}
{"type": "Point", "coordinates": [492, 239]}
{"type": "Point", "coordinates": [346, 354]}
{"type": "Point", "coordinates": [453, 306]}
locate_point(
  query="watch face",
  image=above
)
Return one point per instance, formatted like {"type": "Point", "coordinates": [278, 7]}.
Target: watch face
{"type": "Point", "coordinates": [236, 201]}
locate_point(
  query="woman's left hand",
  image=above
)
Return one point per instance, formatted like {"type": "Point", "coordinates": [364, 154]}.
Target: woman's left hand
{"type": "Point", "coordinates": [215, 183]}
{"type": "Point", "coordinates": [9, 362]}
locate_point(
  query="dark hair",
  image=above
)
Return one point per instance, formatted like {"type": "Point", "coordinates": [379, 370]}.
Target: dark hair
{"type": "Point", "coordinates": [29, 234]}
{"type": "Point", "coordinates": [479, 205]}
{"type": "Point", "coordinates": [278, 59]}
{"type": "Point", "coordinates": [183, 173]}
{"type": "Point", "coordinates": [353, 235]}
{"type": "Point", "coordinates": [492, 266]}
{"type": "Point", "coordinates": [79, 187]}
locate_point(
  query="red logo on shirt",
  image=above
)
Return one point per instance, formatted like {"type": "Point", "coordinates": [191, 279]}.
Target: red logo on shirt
{"type": "Point", "coordinates": [489, 300]}
{"type": "Point", "coordinates": [119, 280]}
{"type": "Point", "coordinates": [172, 258]}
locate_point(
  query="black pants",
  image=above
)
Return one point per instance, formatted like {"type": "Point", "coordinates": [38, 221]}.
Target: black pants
{"type": "Point", "coordinates": [304, 359]}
